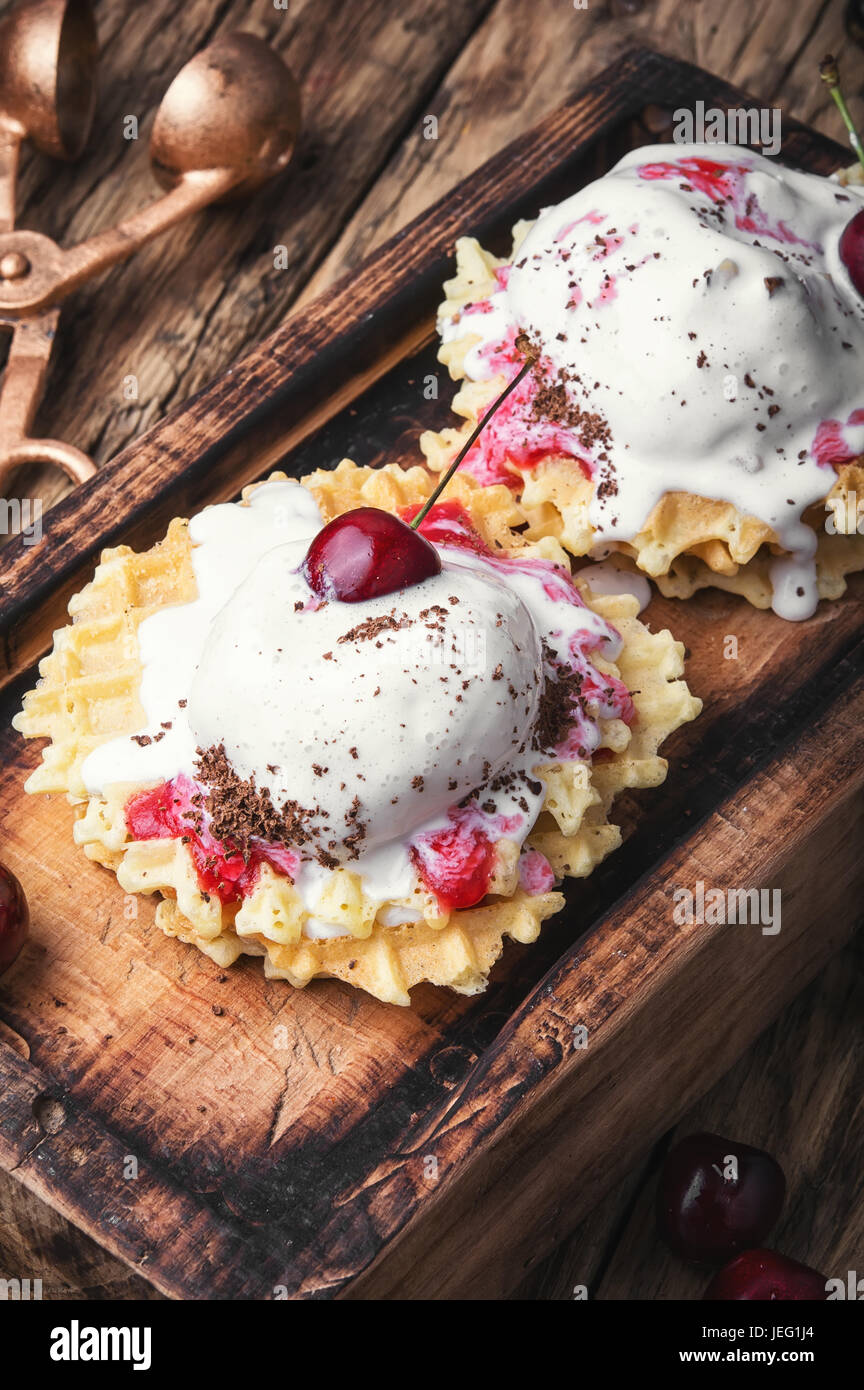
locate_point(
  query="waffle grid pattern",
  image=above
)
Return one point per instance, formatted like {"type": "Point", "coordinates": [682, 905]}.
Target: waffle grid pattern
{"type": "Point", "coordinates": [688, 542]}
{"type": "Point", "coordinates": [88, 693]}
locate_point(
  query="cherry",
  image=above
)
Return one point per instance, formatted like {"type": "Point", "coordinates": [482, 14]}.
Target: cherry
{"type": "Point", "coordinates": [765, 1276]}
{"type": "Point", "coordinates": [708, 1208]}
{"type": "Point", "coordinates": [852, 250]}
{"type": "Point", "coordinates": [365, 553]}
{"type": "Point", "coordinates": [14, 918]}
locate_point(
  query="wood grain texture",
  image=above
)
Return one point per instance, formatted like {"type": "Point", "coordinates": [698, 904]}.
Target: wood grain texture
{"type": "Point", "coordinates": [183, 309]}
{"type": "Point", "coordinates": [36, 1242]}
{"type": "Point", "coordinates": [523, 60]}
{"type": "Point", "coordinates": [283, 390]}
{"type": "Point", "coordinates": [665, 1016]}
{"type": "Point", "coordinates": [797, 1093]}
{"type": "Point", "coordinates": [185, 306]}
{"type": "Point", "coordinates": [235, 1095]}
{"type": "Point", "coordinates": [134, 1076]}
{"type": "Point", "coordinates": [286, 387]}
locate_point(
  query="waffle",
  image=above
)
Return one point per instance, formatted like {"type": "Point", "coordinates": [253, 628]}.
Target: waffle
{"type": "Point", "coordinates": [88, 693]}
{"type": "Point", "coordinates": [687, 542]}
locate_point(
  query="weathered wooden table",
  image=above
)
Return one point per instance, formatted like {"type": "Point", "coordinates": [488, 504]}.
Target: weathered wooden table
{"type": "Point", "coordinates": [150, 333]}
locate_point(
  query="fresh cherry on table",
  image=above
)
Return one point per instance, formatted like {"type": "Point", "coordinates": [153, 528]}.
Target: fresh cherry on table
{"type": "Point", "coordinates": [14, 918]}
{"type": "Point", "coordinates": [765, 1276]}
{"type": "Point", "coordinates": [365, 553]}
{"type": "Point", "coordinates": [703, 1214]}
{"type": "Point", "coordinates": [852, 250]}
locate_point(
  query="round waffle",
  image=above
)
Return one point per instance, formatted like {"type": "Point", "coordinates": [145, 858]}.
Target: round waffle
{"type": "Point", "coordinates": [89, 693]}
{"type": "Point", "coordinates": [687, 541]}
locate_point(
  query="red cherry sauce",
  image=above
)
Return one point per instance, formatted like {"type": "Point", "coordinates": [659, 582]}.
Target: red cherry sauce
{"type": "Point", "coordinates": [456, 863]}
{"type": "Point", "coordinates": [172, 811]}
{"type": "Point", "coordinates": [514, 440]}
{"type": "Point", "coordinates": [724, 183]}
{"type": "Point", "coordinates": [831, 445]}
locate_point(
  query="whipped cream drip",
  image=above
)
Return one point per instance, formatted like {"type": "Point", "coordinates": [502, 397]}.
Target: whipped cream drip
{"type": "Point", "coordinates": [693, 305]}
{"type": "Point", "coordinates": [228, 540]}
{"type": "Point", "coordinates": [387, 713]}
{"type": "Point", "coordinates": [604, 577]}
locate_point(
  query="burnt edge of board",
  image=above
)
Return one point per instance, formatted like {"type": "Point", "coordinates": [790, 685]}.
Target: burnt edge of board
{"type": "Point", "coordinates": [183, 458]}
{"type": "Point", "coordinates": [172, 1234]}
{"type": "Point", "coordinates": [634, 82]}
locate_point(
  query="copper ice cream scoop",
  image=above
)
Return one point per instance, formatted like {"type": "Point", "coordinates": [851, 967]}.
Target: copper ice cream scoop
{"type": "Point", "coordinates": [228, 123]}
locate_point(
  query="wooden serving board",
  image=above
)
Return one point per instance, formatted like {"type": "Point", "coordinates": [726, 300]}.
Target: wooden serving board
{"type": "Point", "coordinates": [231, 1138]}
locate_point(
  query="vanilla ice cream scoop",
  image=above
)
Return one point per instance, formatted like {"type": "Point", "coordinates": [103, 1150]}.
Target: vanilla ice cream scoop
{"type": "Point", "coordinates": [707, 317]}
{"type": "Point", "coordinates": [700, 334]}
{"type": "Point", "coordinates": [376, 716]}
{"type": "Point", "coordinates": [373, 725]}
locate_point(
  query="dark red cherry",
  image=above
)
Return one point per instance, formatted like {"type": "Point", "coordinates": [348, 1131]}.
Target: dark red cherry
{"type": "Point", "coordinates": [366, 553]}
{"type": "Point", "coordinates": [852, 250]}
{"type": "Point", "coordinates": [14, 918]}
{"type": "Point", "coordinates": [716, 1197]}
{"type": "Point", "coordinates": [764, 1276]}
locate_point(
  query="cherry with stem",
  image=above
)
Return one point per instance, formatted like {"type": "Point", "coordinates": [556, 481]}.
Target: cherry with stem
{"type": "Point", "coordinates": [367, 552]}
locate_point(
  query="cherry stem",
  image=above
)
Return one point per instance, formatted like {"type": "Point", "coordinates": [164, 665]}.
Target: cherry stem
{"type": "Point", "coordinates": [830, 74]}
{"type": "Point", "coordinates": [468, 445]}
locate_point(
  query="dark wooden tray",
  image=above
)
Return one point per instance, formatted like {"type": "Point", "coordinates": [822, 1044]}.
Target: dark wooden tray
{"type": "Point", "coordinates": [318, 1141]}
